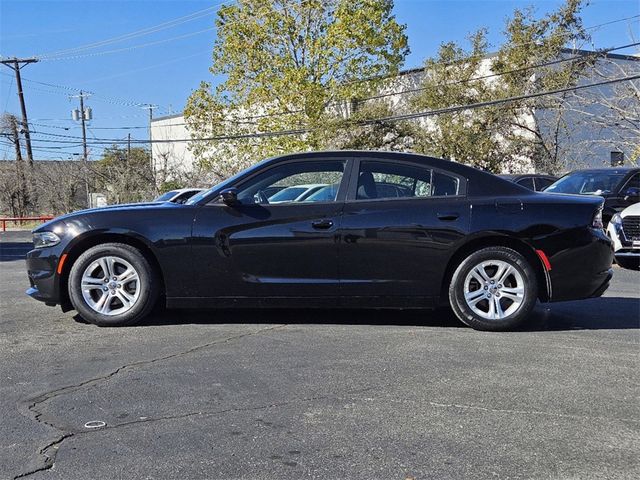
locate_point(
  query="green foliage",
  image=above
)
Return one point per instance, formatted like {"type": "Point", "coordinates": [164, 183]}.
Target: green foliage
{"type": "Point", "coordinates": [366, 129]}
{"type": "Point", "coordinates": [124, 176]}
{"type": "Point", "coordinates": [283, 62]}
{"type": "Point", "coordinates": [502, 137]}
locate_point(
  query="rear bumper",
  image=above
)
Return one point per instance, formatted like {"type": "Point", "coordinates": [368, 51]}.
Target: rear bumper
{"type": "Point", "coordinates": [584, 269]}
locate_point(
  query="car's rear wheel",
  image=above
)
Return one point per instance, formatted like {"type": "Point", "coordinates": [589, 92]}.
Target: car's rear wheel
{"type": "Point", "coordinates": [493, 289]}
{"type": "Point", "coordinates": [113, 284]}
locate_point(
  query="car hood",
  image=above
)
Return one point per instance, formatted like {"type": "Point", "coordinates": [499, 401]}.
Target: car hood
{"type": "Point", "coordinates": [633, 210]}
{"type": "Point", "coordinates": [146, 206]}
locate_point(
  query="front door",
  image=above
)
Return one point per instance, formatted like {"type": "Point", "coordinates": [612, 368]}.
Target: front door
{"type": "Point", "coordinates": [280, 241]}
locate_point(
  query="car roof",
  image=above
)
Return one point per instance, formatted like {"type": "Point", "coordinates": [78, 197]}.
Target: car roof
{"type": "Point", "coordinates": [605, 170]}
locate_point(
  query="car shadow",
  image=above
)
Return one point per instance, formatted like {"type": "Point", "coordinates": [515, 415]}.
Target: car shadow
{"type": "Point", "coordinates": [605, 313]}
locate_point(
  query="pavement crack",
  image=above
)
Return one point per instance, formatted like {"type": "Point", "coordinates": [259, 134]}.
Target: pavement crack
{"type": "Point", "coordinates": [529, 412]}
{"type": "Point", "coordinates": [33, 411]}
{"type": "Point", "coordinates": [49, 459]}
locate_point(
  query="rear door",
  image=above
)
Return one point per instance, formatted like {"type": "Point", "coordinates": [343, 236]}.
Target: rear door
{"type": "Point", "coordinates": [400, 221]}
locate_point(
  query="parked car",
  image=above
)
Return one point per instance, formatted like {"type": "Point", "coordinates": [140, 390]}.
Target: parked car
{"type": "Point", "coordinates": [620, 187]}
{"type": "Point", "coordinates": [295, 193]}
{"type": "Point", "coordinates": [180, 195]}
{"type": "Point", "coordinates": [532, 181]}
{"type": "Point", "coordinates": [624, 230]}
{"type": "Point", "coordinates": [231, 247]}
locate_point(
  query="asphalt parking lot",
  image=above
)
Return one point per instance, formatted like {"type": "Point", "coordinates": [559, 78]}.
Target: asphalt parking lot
{"type": "Point", "coordinates": [318, 394]}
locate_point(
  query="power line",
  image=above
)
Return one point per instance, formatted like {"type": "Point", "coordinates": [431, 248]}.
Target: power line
{"type": "Point", "coordinates": [393, 118]}
{"type": "Point", "coordinates": [137, 33]}
{"type": "Point", "coordinates": [598, 53]}
{"type": "Point", "coordinates": [124, 49]}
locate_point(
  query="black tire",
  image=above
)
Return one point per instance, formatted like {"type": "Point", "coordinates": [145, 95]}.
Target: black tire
{"type": "Point", "coordinates": [470, 317]}
{"type": "Point", "coordinates": [629, 263]}
{"type": "Point", "coordinates": [149, 286]}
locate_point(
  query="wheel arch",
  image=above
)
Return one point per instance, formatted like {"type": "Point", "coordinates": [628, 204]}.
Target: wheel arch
{"type": "Point", "coordinates": [82, 244]}
{"type": "Point", "coordinates": [497, 240]}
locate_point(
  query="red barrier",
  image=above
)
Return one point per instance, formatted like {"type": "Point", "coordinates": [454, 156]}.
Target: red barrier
{"type": "Point", "coordinates": [21, 220]}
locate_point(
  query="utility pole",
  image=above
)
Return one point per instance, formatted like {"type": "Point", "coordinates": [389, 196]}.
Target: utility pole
{"type": "Point", "coordinates": [83, 115]}
{"type": "Point", "coordinates": [153, 170]}
{"type": "Point", "coordinates": [16, 64]}
{"type": "Point", "coordinates": [23, 197]}
{"type": "Point", "coordinates": [128, 147]}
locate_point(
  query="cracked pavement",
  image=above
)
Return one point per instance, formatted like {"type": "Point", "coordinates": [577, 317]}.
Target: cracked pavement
{"type": "Point", "coordinates": [318, 394]}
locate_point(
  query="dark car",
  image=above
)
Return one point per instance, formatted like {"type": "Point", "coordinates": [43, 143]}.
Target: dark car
{"type": "Point", "coordinates": [532, 181]}
{"type": "Point", "coordinates": [620, 187]}
{"type": "Point", "coordinates": [488, 247]}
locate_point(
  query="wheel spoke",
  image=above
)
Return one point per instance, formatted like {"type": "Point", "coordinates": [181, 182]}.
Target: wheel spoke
{"type": "Point", "coordinates": [126, 298]}
{"type": "Point", "coordinates": [498, 307]}
{"type": "Point", "coordinates": [475, 296]}
{"type": "Point", "coordinates": [514, 294]}
{"type": "Point", "coordinates": [106, 265]}
{"type": "Point", "coordinates": [103, 304]}
{"type": "Point", "coordinates": [128, 275]}
{"type": "Point", "coordinates": [479, 274]}
{"type": "Point", "coordinates": [503, 273]}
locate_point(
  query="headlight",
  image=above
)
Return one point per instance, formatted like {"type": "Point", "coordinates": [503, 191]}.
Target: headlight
{"type": "Point", "coordinates": [45, 239]}
{"type": "Point", "coordinates": [616, 220]}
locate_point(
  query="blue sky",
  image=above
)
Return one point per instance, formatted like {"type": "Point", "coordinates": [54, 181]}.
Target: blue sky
{"type": "Point", "coordinates": [165, 72]}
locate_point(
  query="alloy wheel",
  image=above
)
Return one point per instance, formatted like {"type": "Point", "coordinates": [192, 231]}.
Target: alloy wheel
{"type": "Point", "coordinates": [110, 285]}
{"type": "Point", "coordinates": [494, 289]}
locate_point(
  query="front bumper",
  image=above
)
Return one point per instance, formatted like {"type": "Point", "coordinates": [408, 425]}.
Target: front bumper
{"type": "Point", "coordinates": [43, 279]}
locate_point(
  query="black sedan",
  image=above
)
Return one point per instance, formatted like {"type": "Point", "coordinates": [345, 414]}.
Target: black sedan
{"type": "Point", "coordinates": [391, 230]}
{"type": "Point", "coordinates": [619, 186]}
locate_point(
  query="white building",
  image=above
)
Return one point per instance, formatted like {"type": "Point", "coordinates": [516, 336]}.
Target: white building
{"type": "Point", "coordinates": [590, 136]}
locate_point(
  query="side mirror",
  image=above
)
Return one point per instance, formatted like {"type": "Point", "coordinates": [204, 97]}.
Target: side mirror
{"type": "Point", "coordinates": [230, 196]}
{"type": "Point", "coordinates": [632, 193]}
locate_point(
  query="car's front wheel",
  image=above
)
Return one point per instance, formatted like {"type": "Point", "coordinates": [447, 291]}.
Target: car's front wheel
{"type": "Point", "coordinates": [493, 289]}
{"type": "Point", "coordinates": [113, 284]}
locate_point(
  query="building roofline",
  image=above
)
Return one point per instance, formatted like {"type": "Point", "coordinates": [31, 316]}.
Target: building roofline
{"type": "Point", "coordinates": [167, 117]}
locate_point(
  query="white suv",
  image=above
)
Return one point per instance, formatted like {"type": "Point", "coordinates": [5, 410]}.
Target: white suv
{"type": "Point", "coordinates": [624, 230]}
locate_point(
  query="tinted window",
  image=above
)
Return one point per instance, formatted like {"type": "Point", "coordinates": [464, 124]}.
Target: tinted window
{"type": "Point", "coordinates": [542, 183]}
{"type": "Point", "coordinates": [587, 183]}
{"type": "Point", "coordinates": [293, 181]}
{"type": "Point", "coordinates": [634, 182]}
{"type": "Point", "coordinates": [185, 196]}
{"type": "Point", "coordinates": [397, 180]}
{"type": "Point", "coordinates": [526, 182]}
{"type": "Point", "coordinates": [166, 196]}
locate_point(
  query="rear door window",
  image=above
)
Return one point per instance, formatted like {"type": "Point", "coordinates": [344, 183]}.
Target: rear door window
{"type": "Point", "coordinates": [392, 180]}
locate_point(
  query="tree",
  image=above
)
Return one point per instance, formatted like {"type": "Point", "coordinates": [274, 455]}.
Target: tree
{"type": "Point", "coordinates": [360, 132]}
{"type": "Point", "coordinates": [125, 176]}
{"type": "Point", "coordinates": [288, 65]}
{"type": "Point", "coordinates": [505, 136]}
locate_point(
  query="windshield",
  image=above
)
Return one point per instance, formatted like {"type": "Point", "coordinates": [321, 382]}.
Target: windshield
{"type": "Point", "coordinates": [587, 183]}
{"type": "Point", "coordinates": [166, 196]}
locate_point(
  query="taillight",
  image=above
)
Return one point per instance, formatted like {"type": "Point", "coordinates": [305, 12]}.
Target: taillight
{"type": "Point", "coordinates": [597, 219]}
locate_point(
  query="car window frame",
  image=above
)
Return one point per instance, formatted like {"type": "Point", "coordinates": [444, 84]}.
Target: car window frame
{"type": "Point", "coordinates": [340, 197]}
{"type": "Point", "coordinates": [352, 191]}
{"type": "Point", "coordinates": [625, 183]}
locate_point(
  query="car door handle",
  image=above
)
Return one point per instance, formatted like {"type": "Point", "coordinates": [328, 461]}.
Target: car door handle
{"type": "Point", "coordinates": [448, 216]}
{"type": "Point", "coordinates": [322, 224]}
